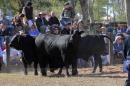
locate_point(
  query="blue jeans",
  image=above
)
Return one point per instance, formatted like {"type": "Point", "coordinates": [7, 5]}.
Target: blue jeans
{"type": "Point", "coordinates": [64, 21]}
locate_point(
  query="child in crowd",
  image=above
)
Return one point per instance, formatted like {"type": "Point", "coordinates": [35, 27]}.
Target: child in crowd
{"type": "Point", "coordinates": [33, 31]}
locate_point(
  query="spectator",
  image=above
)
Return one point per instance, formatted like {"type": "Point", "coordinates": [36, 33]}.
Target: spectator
{"type": "Point", "coordinates": [127, 44]}
{"type": "Point", "coordinates": [33, 31]}
{"type": "Point", "coordinates": [55, 29]}
{"type": "Point", "coordinates": [68, 14]}
{"type": "Point", "coordinates": [4, 31]}
{"type": "Point", "coordinates": [109, 28]}
{"type": "Point", "coordinates": [66, 29]}
{"type": "Point", "coordinates": [28, 11]}
{"type": "Point", "coordinates": [41, 21]}
{"type": "Point", "coordinates": [118, 46]}
{"type": "Point", "coordinates": [53, 20]}
{"type": "Point", "coordinates": [18, 22]}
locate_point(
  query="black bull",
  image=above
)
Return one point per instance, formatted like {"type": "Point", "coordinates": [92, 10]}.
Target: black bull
{"type": "Point", "coordinates": [57, 51]}
{"type": "Point", "coordinates": [26, 43]}
{"type": "Point", "coordinates": [62, 50]}
{"type": "Point", "coordinates": [92, 45]}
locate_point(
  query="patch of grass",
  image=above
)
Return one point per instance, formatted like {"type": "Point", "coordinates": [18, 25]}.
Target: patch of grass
{"type": "Point", "coordinates": [112, 76]}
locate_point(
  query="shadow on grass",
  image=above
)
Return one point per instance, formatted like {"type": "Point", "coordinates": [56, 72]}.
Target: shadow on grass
{"type": "Point", "coordinates": [116, 74]}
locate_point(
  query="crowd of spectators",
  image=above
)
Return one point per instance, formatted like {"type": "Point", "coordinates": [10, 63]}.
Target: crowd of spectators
{"type": "Point", "coordinates": [48, 22]}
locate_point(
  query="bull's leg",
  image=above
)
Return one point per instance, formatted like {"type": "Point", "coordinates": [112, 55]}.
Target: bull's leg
{"type": "Point", "coordinates": [43, 68]}
{"type": "Point", "coordinates": [100, 64]}
{"type": "Point", "coordinates": [64, 59]}
{"type": "Point", "coordinates": [96, 63]}
{"type": "Point", "coordinates": [35, 67]}
{"type": "Point", "coordinates": [74, 67]}
{"type": "Point", "coordinates": [74, 71]}
{"type": "Point", "coordinates": [67, 71]}
{"type": "Point", "coordinates": [43, 71]}
{"type": "Point", "coordinates": [60, 71]}
{"type": "Point", "coordinates": [42, 62]}
{"type": "Point", "coordinates": [25, 66]}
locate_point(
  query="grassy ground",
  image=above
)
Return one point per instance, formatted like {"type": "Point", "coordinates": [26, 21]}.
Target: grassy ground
{"type": "Point", "coordinates": [112, 76]}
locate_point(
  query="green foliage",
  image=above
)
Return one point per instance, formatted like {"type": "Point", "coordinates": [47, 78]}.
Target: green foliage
{"type": "Point", "coordinates": [120, 12]}
{"type": "Point", "coordinates": [48, 5]}
{"type": "Point", "coordinates": [98, 9]}
{"type": "Point", "coordinates": [57, 7]}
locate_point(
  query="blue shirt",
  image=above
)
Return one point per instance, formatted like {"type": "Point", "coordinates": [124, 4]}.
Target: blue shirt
{"type": "Point", "coordinates": [33, 32]}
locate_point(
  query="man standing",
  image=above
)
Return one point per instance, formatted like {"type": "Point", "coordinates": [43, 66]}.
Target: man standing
{"type": "Point", "coordinates": [28, 11]}
{"type": "Point", "coordinates": [127, 55]}
{"type": "Point", "coordinates": [68, 14]}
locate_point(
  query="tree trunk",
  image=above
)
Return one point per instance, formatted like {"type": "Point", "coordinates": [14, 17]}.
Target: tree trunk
{"type": "Point", "coordinates": [84, 8]}
{"type": "Point", "coordinates": [7, 53]}
{"type": "Point", "coordinates": [22, 4]}
{"type": "Point", "coordinates": [73, 2]}
{"type": "Point", "coordinates": [91, 3]}
{"type": "Point", "coordinates": [128, 11]}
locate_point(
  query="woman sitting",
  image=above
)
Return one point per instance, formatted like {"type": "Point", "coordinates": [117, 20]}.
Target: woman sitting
{"type": "Point", "coordinates": [118, 47]}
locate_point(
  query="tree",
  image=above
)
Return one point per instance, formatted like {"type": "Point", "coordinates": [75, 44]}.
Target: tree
{"type": "Point", "coordinates": [128, 11]}
{"type": "Point", "coordinates": [84, 8]}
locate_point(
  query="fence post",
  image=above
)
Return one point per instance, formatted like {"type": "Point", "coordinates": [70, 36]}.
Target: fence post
{"type": "Point", "coordinates": [7, 52]}
{"type": "Point", "coordinates": [111, 49]}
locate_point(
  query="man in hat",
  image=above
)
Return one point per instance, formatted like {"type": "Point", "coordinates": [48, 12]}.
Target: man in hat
{"type": "Point", "coordinates": [66, 29]}
{"type": "Point", "coordinates": [127, 55]}
{"type": "Point", "coordinates": [68, 13]}
{"type": "Point", "coordinates": [127, 44]}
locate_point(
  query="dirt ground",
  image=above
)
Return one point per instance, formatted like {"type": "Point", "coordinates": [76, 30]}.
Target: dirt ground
{"type": "Point", "coordinates": [112, 76]}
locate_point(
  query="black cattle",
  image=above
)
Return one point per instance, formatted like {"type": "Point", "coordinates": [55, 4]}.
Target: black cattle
{"type": "Point", "coordinates": [92, 45]}
{"type": "Point", "coordinates": [57, 51]}
{"type": "Point", "coordinates": [26, 43]}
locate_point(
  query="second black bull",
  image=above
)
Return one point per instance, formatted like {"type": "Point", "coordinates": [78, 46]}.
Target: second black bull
{"type": "Point", "coordinates": [92, 45]}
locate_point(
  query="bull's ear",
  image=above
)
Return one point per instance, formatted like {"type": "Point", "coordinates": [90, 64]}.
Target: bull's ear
{"type": "Point", "coordinates": [77, 32]}
{"type": "Point", "coordinates": [80, 32]}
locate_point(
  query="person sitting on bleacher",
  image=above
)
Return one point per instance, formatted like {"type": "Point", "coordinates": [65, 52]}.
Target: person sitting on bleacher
{"type": "Point", "coordinates": [118, 47]}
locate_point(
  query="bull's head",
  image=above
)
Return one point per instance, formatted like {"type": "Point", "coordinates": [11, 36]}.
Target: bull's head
{"type": "Point", "coordinates": [15, 42]}
{"type": "Point", "coordinates": [75, 39]}
{"type": "Point", "coordinates": [76, 36]}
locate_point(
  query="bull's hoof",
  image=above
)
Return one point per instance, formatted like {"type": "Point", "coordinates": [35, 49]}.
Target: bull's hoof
{"type": "Point", "coordinates": [52, 70]}
{"type": "Point", "coordinates": [68, 75]}
{"type": "Point", "coordinates": [127, 83]}
{"type": "Point", "coordinates": [36, 73]}
{"type": "Point", "coordinates": [44, 74]}
{"type": "Point", "coordinates": [100, 70]}
{"type": "Point", "coordinates": [93, 71]}
{"type": "Point", "coordinates": [74, 73]}
{"type": "Point", "coordinates": [25, 73]}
